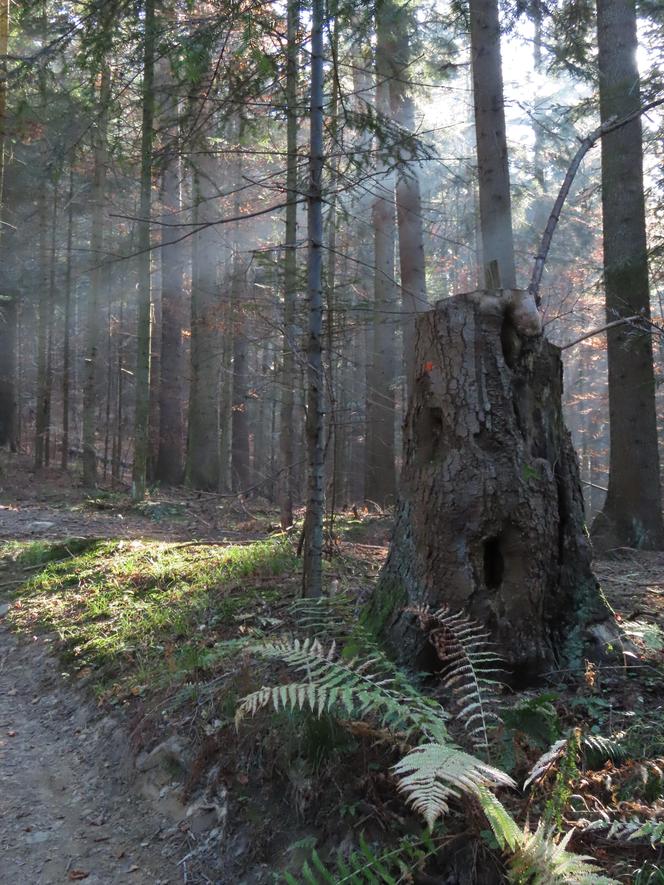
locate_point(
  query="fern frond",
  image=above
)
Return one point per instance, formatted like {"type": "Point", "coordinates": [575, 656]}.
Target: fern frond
{"type": "Point", "coordinates": [506, 830]}
{"type": "Point", "coordinates": [361, 688]}
{"type": "Point", "coordinates": [652, 830]}
{"type": "Point", "coordinates": [325, 616]}
{"type": "Point", "coordinates": [540, 860]}
{"type": "Point", "coordinates": [433, 773]}
{"type": "Point", "coordinates": [598, 750]}
{"type": "Point", "coordinates": [470, 665]}
{"type": "Point", "coordinates": [546, 763]}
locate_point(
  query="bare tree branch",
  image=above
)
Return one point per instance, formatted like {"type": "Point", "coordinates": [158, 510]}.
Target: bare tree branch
{"type": "Point", "coordinates": [586, 144]}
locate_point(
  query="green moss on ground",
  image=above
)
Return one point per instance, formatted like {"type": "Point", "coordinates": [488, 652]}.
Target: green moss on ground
{"type": "Point", "coordinates": [141, 614]}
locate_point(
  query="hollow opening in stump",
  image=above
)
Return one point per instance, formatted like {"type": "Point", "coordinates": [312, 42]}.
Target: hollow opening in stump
{"type": "Point", "coordinates": [494, 563]}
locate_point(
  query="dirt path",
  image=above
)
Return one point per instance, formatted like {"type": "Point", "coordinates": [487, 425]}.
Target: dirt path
{"type": "Point", "coordinates": [66, 812]}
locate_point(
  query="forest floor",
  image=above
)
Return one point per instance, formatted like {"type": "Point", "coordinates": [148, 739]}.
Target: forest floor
{"type": "Point", "coordinates": [119, 759]}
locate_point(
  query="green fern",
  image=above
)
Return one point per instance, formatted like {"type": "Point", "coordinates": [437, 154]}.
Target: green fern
{"type": "Point", "coordinates": [540, 860]}
{"type": "Point", "coordinates": [537, 858]}
{"type": "Point", "coordinates": [508, 833]}
{"type": "Point", "coordinates": [365, 865]}
{"type": "Point", "coordinates": [326, 616]}
{"type": "Point", "coordinates": [470, 664]}
{"type": "Point", "coordinates": [359, 688]}
{"type": "Point", "coordinates": [433, 773]}
{"type": "Point", "coordinates": [598, 750]}
{"type": "Point", "coordinates": [653, 830]}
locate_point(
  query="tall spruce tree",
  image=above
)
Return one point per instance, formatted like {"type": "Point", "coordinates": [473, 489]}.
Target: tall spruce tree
{"type": "Point", "coordinates": [632, 513]}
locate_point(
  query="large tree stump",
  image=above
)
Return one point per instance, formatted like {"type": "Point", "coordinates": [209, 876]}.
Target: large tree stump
{"type": "Point", "coordinates": [490, 519]}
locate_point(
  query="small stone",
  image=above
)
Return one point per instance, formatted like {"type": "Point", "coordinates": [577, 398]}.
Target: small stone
{"type": "Point", "coordinates": [4, 609]}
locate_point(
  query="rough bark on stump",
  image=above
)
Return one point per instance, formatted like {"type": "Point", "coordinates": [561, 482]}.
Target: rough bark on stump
{"type": "Point", "coordinates": [490, 519]}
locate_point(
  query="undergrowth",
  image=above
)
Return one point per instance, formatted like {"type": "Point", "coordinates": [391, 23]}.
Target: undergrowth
{"type": "Point", "coordinates": [214, 632]}
{"type": "Point", "coordinates": [141, 613]}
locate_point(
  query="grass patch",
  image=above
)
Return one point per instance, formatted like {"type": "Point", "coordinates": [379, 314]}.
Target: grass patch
{"type": "Point", "coordinates": [143, 613]}
{"type": "Point", "coordinates": [33, 553]}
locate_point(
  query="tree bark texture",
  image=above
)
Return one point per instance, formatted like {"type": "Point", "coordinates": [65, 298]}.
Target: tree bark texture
{"type": "Point", "coordinates": [632, 514]}
{"type": "Point", "coordinates": [286, 429]}
{"type": "Point", "coordinates": [315, 512]}
{"type": "Point", "coordinates": [490, 520]}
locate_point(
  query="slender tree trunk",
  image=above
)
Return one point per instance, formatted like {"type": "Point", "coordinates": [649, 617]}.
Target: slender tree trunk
{"type": "Point", "coordinates": [239, 291]}
{"type": "Point", "coordinates": [380, 485]}
{"type": "Point", "coordinates": [492, 161]}
{"type": "Point", "coordinates": [51, 322]}
{"type": "Point", "coordinates": [8, 306]}
{"type": "Point", "coordinates": [171, 413]}
{"type": "Point", "coordinates": [313, 552]}
{"type": "Point", "coordinates": [632, 514]}
{"type": "Point", "coordinates": [203, 455]}
{"type": "Point", "coordinates": [143, 365]}
{"type": "Point", "coordinates": [331, 293]}
{"type": "Point", "coordinates": [116, 464]}
{"type": "Point", "coordinates": [8, 318]}
{"type": "Point", "coordinates": [287, 412]}
{"type": "Point", "coordinates": [66, 347]}
{"type": "Point", "coordinates": [42, 406]}
{"type": "Point", "coordinates": [409, 200]}
{"type": "Point", "coordinates": [93, 301]}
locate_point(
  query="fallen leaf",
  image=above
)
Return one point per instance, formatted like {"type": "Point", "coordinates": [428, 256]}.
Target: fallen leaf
{"type": "Point", "coordinates": [76, 875]}
{"type": "Point", "coordinates": [11, 734]}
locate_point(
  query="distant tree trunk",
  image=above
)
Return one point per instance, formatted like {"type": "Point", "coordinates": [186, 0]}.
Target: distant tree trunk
{"type": "Point", "coordinates": [93, 300]}
{"type": "Point", "coordinates": [287, 412]}
{"type": "Point", "coordinates": [490, 520]}
{"type": "Point", "coordinates": [66, 347]}
{"type": "Point", "coordinates": [7, 371]}
{"type": "Point", "coordinates": [632, 513]}
{"type": "Point", "coordinates": [536, 14]}
{"type": "Point", "coordinates": [239, 417]}
{"type": "Point", "coordinates": [380, 483]}
{"type": "Point", "coordinates": [313, 549]}
{"type": "Point", "coordinates": [171, 414]}
{"type": "Point", "coordinates": [8, 317]}
{"type": "Point", "coordinates": [492, 161]}
{"type": "Point", "coordinates": [239, 299]}
{"type": "Point", "coordinates": [51, 322]}
{"type": "Point", "coordinates": [203, 463]}
{"type": "Point", "coordinates": [116, 461]}
{"type": "Point", "coordinates": [143, 364]}
{"type": "Point", "coordinates": [333, 381]}
{"type": "Point", "coordinates": [42, 405]}
{"type": "Point", "coordinates": [409, 200]}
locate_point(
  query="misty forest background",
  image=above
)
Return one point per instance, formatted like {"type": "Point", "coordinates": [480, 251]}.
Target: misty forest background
{"type": "Point", "coordinates": [154, 231]}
